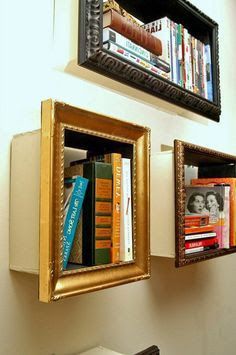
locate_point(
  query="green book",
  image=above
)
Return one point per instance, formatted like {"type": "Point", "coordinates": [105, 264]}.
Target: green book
{"type": "Point", "coordinates": [97, 214]}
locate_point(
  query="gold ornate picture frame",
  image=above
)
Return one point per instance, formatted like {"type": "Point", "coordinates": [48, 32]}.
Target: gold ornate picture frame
{"type": "Point", "coordinates": [74, 127]}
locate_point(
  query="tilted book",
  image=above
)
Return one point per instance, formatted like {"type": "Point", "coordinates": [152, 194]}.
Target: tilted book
{"type": "Point", "coordinates": [73, 215]}
{"type": "Point", "coordinates": [76, 250]}
{"type": "Point", "coordinates": [135, 33]}
{"type": "Point", "coordinates": [126, 229]}
{"type": "Point", "coordinates": [97, 214]}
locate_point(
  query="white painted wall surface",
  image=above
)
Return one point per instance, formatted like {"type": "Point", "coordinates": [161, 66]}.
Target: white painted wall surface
{"type": "Point", "coordinates": [185, 311]}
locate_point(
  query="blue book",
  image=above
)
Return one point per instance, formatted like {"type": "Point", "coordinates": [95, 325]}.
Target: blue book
{"type": "Point", "coordinates": [208, 72]}
{"type": "Point", "coordinates": [73, 214]}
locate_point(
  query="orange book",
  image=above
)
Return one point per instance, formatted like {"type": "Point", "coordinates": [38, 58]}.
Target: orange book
{"type": "Point", "coordinates": [202, 229]}
{"type": "Point", "coordinates": [115, 160]}
{"type": "Point", "coordinates": [232, 183]}
{"type": "Point", "coordinates": [130, 30]}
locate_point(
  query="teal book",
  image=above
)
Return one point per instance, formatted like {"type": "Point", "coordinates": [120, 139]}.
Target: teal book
{"type": "Point", "coordinates": [72, 207]}
{"type": "Point", "coordinates": [97, 214]}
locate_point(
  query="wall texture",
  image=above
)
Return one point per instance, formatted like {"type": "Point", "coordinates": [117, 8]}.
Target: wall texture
{"type": "Point", "coordinates": [191, 310]}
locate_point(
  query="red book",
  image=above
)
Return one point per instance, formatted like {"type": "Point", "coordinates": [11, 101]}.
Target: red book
{"type": "Point", "coordinates": [201, 243]}
{"type": "Point", "coordinates": [130, 30]}
{"type": "Point", "coordinates": [196, 220]}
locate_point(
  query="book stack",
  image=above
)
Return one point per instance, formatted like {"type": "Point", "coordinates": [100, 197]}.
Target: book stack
{"type": "Point", "coordinates": [101, 230]}
{"type": "Point", "coordinates": [207, 216]}
{"type": "Point", "coordinates": [124, 37]}
{"type": "Point", "coordinates": [161, 47]}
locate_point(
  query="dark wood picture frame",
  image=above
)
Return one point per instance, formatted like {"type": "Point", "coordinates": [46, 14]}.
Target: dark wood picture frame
{"type": "Point", "coordinates": [191, 154]}
{"type": "Point", "coordinates": [92, 55]}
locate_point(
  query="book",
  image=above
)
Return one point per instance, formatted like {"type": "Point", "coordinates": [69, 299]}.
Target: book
{"type": "Point", "coordinates": [137, 34]}
{"type": "Point", "coordinates": [79, 186]}
{"type": "Point", "coordinates": [201, 242]}
{"type": "Point", "coordinates": [129, 57]}
{"type": "Point", "coordinates": [200, 249]}
{"type": "Point", "coordinates": [126, 228]}
{"type": "Point", "coordinates": [200, 235]}
{"type": "Point", "coordinates": [201, 229]}
{"type": "Point", "coordinates": [97, 214]}
{"type": "Point", "coordinates": [209, 87]}
{"type": "Point", "coordinates": [115, 160]}
{"type": "Point", "coordinates": [232, 201]}
{"type": "Point", "coordinates": [77, 246]}
{"type": "Point", "coordinates": [115, 37]}
{"type": "Point", "coordinates": [161, 29]}
{"type": "Point", "coordinates": [196, 220]}
{"type": "Point", "coordinates": [215, 199]}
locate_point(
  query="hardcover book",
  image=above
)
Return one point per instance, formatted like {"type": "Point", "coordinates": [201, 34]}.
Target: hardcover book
{"type": "Point", "coordinates": [115, 160]}
{"type": "Point", "coordinates": [97, 212]}
{"type": "Point", "coordinates": [77, 246]}
{"type": "Point", "coordinates": [126, 228]}
{"type": "Point", "coordinates": [73, 211]}
{"type": "Point", "coordinates": [137, 34]}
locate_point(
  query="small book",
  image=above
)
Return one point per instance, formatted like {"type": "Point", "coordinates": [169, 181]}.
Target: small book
{"type": "Point", "coordinates": [73, 206]}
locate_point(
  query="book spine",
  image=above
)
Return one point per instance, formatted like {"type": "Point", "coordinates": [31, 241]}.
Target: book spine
{"type": "Point", "coordinates": [179, 55]}
{"type": "Point", "coordinates": [115, 160]}
{"type": "Point", "coordinates": [209, 88]}
{"type": "Point", "coordinates": [72, 216]}
{"type": "Point", "coordinates": [201, 243]}
{"type": "Point", "coordinates": [120, 40]}
{"type": "Point", "coordinates": [201, 229]}
{"type": "Point", "coordinates": [200, 249]}
{"type": "Point", "coordinates": [130, 30]}
{"type": "Point", "coordinates": [200, 235]}
{"type": "Point", "coordinates": [162, 31]}
{"type": "Point", "coordinates": [76, 250]}
{"type": "Point", "coordinates": [97, 213]}
{"type": "Point", "coordinates": [126, 230]}
{"type": "Point", "coordinates": [121, 52]}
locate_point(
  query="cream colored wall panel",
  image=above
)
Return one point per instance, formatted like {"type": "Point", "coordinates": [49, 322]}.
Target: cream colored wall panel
{"type": "Point", "coordinates": [162, 228]}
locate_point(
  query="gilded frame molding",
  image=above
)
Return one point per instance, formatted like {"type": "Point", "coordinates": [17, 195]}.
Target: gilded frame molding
{"type": "Point", "coordinates": [92, 56]}
{"type": "Point", "coordinates": [54, 283]}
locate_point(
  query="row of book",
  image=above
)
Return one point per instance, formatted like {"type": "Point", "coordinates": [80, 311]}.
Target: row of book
{"type": "Point", "coordinates": [162, 47]}
{"type": "Point", "coordinates": [210, 214]}
{"type": "Point", "coordinates": [189, 58]}
{"type": "Point", "coordinates": [98, 211]}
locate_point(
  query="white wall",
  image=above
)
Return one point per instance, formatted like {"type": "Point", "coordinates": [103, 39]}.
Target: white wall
{"type": "Point", "coordinates": [188, 310]}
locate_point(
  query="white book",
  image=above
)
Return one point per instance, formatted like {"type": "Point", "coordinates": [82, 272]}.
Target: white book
{"type": "Point", "coordinates": [200, 235]}
{"type": "Point", "coordinates": [128, 56]}
{"type": "Point", "coordinates": [126, 229]}
{"type": "Point", "coordinates": [161, 29]}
